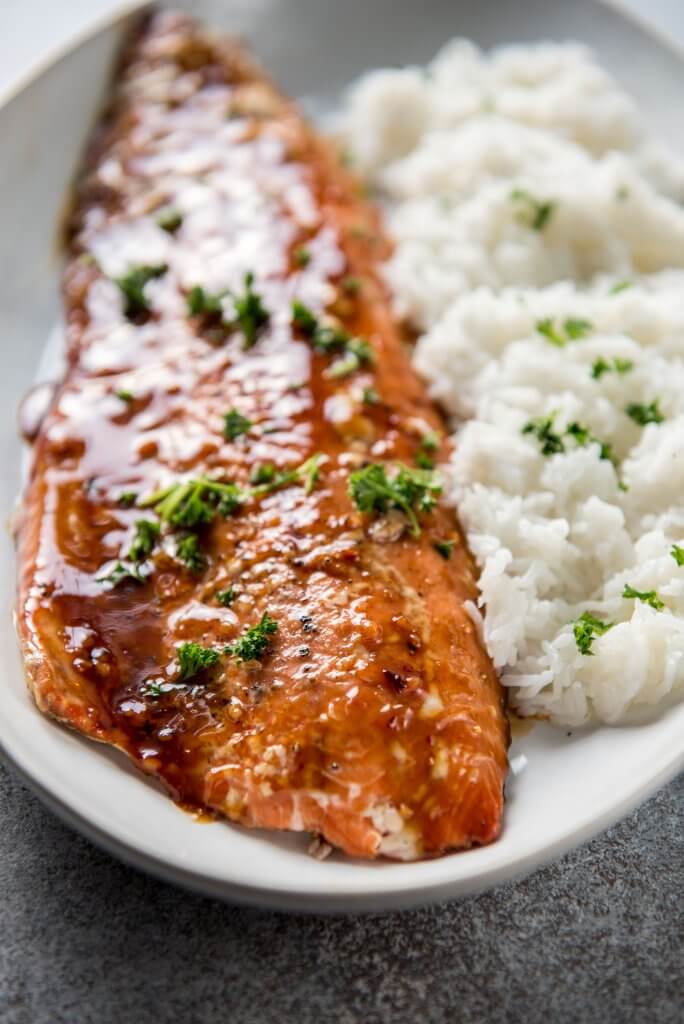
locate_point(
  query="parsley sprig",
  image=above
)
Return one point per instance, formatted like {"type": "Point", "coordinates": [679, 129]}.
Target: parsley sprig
{"type": "Point", "coordinates": [143, 544]}
{"type": "Point", "coordinates": [330, 339]}
{"type": "Point", "coordinates": [572, 329]}
{"type": "Point", "coordinates": [301, 256]}
{"type": "Point", "coordinates": [534, 213]}
{"type": "Point", "coordinates": [677, 553]}
{"type": "Point", "coordinates": [132, 287]}
{"type": "Point", "coordinates": [585, 630]}
{"type": "Point", "coordinates": [412, 491]}
{"type": "Point", "coordinates": [543, 429]}
{"type": "Point", "coordinates": [203, 303]}
{"type": "Point", "coordinates": [583, 437]}
{"type": "Point", "coordinates": [122, 572]}
{"type": "Point", "coordinates": [643, 414]}
{"type": "Point", "coordinates": [649, 597]}
{"type": "Point", "coordinates": [169, 218]}
{"type": "Point", "coordinates": [357, 353]}
{"type": "Point", "coordinates": [444, 548]}
{"type": "Point", "coordinates": [616, 365]}
{"type": "Point", "coordinates": [551, 440]}
{"type": "Point", "coordinates": [194, 659]}
{"type": "Point", "coordinates": [429, 444]}
{"type": "Point", "coordinates": [252, 643]}
{"type": "Point", "coordinates": [235, 425]}
{"type": "Point", "coordinates": [189, 551]}
{"type": "Point", "coordinates": [194, 503]}
{"type": "Point", "coordinates": [250, 313]}
{"type": "Point", "coordinates": [144, 540]}
{"type": "Point", "coordinates": [267, 478]}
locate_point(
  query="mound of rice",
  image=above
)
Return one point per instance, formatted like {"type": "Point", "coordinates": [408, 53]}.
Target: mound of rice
{"type": "Point", "coordinates": [540, 255]}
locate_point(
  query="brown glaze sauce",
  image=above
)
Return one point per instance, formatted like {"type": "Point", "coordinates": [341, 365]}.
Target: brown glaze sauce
{"type": "Point", "coordinates": [375, 716]}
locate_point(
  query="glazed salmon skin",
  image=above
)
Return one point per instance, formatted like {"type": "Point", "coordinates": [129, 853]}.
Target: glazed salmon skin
{"type": "Point", "coordinates": [236, 564]}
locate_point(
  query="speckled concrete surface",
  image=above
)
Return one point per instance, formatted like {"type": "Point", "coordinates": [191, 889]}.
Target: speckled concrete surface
{"type": "Point", "coordinates": [595, 938]}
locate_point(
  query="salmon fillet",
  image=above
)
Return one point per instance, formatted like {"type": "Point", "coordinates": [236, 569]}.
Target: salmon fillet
{"type": "Point", "coordinates": [235, 564]}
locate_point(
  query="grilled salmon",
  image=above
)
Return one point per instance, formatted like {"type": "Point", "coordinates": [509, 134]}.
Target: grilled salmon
{"type": "Point", "coordinates": [235, 560]}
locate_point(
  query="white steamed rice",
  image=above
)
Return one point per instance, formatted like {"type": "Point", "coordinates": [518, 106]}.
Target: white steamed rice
{"type": "Point", "coordinates": [555, 535]}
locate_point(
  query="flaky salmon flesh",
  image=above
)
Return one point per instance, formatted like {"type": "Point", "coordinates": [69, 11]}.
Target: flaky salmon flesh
{"type": "Point", "coordinates": [236, 562]}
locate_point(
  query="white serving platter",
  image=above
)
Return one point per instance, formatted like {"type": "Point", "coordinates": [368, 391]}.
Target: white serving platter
{"type": "Point", "coordinates": [572, 786]}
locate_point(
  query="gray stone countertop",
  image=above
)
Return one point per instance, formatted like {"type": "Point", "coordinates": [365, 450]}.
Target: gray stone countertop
{"type": "Point", "coordinates": [596, 937]}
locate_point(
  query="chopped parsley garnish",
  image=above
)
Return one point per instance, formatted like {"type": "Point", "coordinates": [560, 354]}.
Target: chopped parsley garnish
{"type": "Point", "coordinates": [203, 303]}
{"type": "Point", "coordinates": [586, 628]}
{"type": "Point", "coordinates": [122, 572]}
{"type": "Point", "coordinates": [616, 365]}
{"type": "Point", "coordinates": [572, 329]}
{"type": "Point", "coordinates": [444, 548]}
{"type": "Point", "coordinates": [583, 436]}
{"type": "Point", "coordinates": [309, 472]}
{"type": "Point", "coordinates": [643, 414]}
{"type": "Point", "coordinates": [144, 540]}
{"type": "Point", "coordinates": [252, 643]}
{"type": "Point", "coordinates": [649, 597]}
{"type": "Point", "coordinates": [193, 659]}
{"type": "Point", "coordinates": [194, 502]}
{"type": "Point", "coordinates": [576, 328]}
{"type": "Point", "coordinates": [262, 473]}
{"type": "Point", "coordinates": [154, 690]}
{"type": "Point", "coordinates": [552, 442]}
{"type": "Point", "coordinates": [132, 287]}
{"type": "Point", "coordinates": [358, 352]}
{"type": "Point", "coordinates": [301, 256]}
{"type": "Point", "coordinates": [534, 213]}
{"type": "Point", "coordinates": [169, 218]}
{"type": "Point", "coordinates": [542, 428]}
{"type": "Point", "coordinates": [350, 284]}
{"type": "Point", "coordinates": [125, 396]}
{"type": "Point", "coordinates": [268, 479]}
{"type": "Point", "coordinates": [324, 337]}
{"type": "Point", "coordinates": [189, 552]}
{"type": "Point", "coordinates": [226, 597]}
{"type": "Point", "coordinates": [549, 331]}
{"type": "Point", "coordinates": [423, 460]}
{"type": "Point", "coordinates": [412, 491]}
{"type": "Point", "coordinates": [303, 318]}
{"type": "Point", "coordinates": [369, 396]}
{"type": "Point", "coordinates": [328, 338]}
{"type": "Point", "coordinates": [429, 443]}
{"type": "Point", "coordinates": [127, 499]}
{"type": "Point", "coordinates": [235, 425]}
{"type": "Point", "coordinates": [677, 553]}
{"type": "Point", "coordinates": [620, 286]}
{"type": "Point", "coordinates": [250, 312]}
